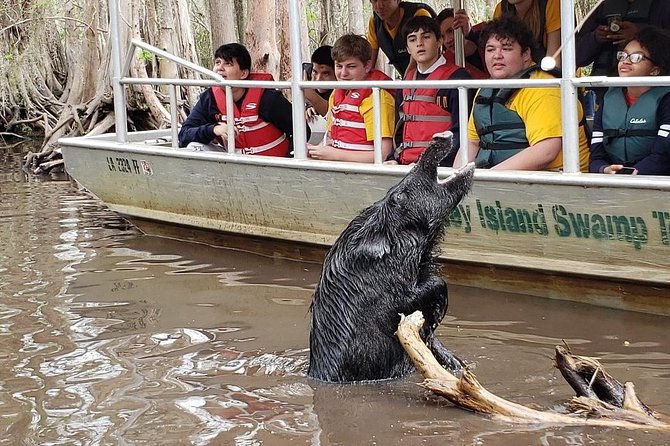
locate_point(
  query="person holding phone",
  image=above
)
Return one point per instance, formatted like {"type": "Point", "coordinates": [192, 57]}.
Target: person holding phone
{"type": "Point", "coordinates": [610, 26]}
{"type": "Point", "coordinates": [321, 68]}
{"type": "Point", "coordinates": [632, 126]}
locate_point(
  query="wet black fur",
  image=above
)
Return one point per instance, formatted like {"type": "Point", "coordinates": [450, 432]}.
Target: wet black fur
{"type": "Point", "coordinates": [383, 264]}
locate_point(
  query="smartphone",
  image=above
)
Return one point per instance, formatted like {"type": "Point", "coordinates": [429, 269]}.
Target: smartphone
{"type": "Point", "coordinates": [307, 68]}
{"type": "Point", "coordinates": [614, 22]}
{"type": "Point", "coordinates": [626, 170]}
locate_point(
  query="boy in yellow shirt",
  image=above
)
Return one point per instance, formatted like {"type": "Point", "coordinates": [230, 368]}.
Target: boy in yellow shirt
{"type": "Point", "coordinates": [517, 129]}
{"type": "Point", "coordinates": [350, 120]}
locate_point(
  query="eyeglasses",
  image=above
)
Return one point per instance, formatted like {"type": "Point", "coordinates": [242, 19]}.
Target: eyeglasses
{"type": "Point", "coordinates": [633, 57]}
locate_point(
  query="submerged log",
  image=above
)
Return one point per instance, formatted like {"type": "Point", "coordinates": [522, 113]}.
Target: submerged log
{"type": "Point", "coordinates": [589, 379]}
{"type": "Point", "coordinates": [587, 410]}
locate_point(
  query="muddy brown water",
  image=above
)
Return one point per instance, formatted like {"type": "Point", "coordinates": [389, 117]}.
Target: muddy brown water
{"type": "Point", "coordinates": [109, 336]}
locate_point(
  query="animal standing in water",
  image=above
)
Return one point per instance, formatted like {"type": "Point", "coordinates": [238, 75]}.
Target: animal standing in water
{"type": "Point", "coordinates": [383, 264]}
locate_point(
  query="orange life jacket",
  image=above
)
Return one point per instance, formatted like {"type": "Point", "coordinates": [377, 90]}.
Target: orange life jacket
{"type": "Point", "coordinates": [421, 116]}
{"type": "Point", "coordinates": [254, 136]}
{"type": "Point", "coordinates": [347, 130]}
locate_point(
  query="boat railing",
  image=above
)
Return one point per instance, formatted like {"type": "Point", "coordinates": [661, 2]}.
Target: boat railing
{"type": "Point", "coordinates": [568, 84]}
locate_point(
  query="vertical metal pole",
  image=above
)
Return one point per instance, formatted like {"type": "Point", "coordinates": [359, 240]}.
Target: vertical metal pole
{"type": "Point", "coordinates": [459, 39]}
{"type": "Point", "coordinates": [297, 95]}
{"type": "Point", "coordinates": [377, 121]}
{"type": "Point", "coordinates": [569, 113]}
{"type": "Point", "coordinates": [173, 115]}
{"type": "Point", "coordinates": [463, 117]}
{"type": "Point", "coordinates": [120, 118]}
{"type": "Point", "coordinates": [230, 120]}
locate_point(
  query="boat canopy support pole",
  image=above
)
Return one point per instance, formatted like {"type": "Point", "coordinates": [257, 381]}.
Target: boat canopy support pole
{"type": "Point", "coordinates": [459, 39]}
{"type": "Point", "coordinates": [120, 117]}
{"type": "Point", "coordinates": [297, 95]}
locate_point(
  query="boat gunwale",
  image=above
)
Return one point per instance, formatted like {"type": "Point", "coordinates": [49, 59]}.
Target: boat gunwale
{"type": "Point", "coordinates": [106, 142]}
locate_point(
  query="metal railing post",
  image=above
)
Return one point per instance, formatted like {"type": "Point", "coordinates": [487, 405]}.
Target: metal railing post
{"type": "Point", "coordinates": [569, 99]}
{"type": "Point", "coordinates": [174, 125]}
{"type": "Point", "coordinates": [377, 110]}
{"type": "Point", "coordinates": [120, 116]}
{"type": "Point", "coordinates": [230, 120]}
{"type": "Point", "coordinates": [463, 124]}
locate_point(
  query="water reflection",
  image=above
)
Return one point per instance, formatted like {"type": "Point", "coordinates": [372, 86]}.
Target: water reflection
{"type": "Point", "coordinates": [109, 336]}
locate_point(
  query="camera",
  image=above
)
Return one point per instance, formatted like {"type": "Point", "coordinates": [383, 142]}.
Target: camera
{"type": "Point", "coordinates": [614, 22]}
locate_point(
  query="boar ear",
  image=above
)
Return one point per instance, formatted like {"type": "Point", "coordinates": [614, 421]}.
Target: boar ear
{"type": "Point", "coordinates": [376, 249]}
{"type": "Point", "coordinates": [373, 244]}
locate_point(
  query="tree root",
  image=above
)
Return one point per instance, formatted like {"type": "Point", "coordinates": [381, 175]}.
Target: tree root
{"type": "Point", "coordinates": [587, 409]}
{"type": "Point", "coordinates": [48, 160]}
{"type": "Point", "coordinates": [50, 166]}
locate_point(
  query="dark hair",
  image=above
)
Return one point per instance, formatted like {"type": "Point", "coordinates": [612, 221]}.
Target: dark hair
{"type": "Point", "coordinates": [509, 28]}
{"type": "Point", "coordinates": [231, 51]}
{"type": "Point", "coordinates": [351, 45]}
{"type": "Point", "coordinates": [444, 14]}
{"type": "Point", "coordinates": [425, 23]}
{"type": "Point", "coordinates": [657, 42]}
{"type": "Point", "coordinates": [322, 56]}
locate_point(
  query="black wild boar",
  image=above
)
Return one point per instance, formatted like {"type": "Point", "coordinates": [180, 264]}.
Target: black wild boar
{"type": "Point", "coordinates": [383, 264]}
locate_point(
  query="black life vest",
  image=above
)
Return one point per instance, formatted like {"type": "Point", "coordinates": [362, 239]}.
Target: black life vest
{"type": "Point", "coordinates": [502, 132]}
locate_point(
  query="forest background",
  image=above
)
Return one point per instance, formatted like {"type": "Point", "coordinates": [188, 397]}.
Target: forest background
{"type": "Point", "coordinates": [55, 74]}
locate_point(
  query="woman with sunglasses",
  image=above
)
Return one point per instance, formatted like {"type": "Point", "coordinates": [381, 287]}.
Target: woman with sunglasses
{"type": "Point", "coordinates": [631, 130]}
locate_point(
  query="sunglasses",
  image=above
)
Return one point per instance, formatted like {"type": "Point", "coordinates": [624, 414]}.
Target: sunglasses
{"type": "Point", "coordinates": [633, 57]}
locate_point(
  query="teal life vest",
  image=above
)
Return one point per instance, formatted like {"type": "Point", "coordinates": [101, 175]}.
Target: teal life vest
{"type": "Point", "coordinates": [628, 136]}
{"type": "Point", "coordinates": [396, 48]}
{"type": "Point", "coordinates": [502, 132]}
{"type": "Point", "coordinates": [540, 50]}
{"type": "Point", "coordinates": [636, 12]}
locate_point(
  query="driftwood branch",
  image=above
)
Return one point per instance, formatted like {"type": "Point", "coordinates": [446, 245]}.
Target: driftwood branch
{"type": "Point", "coordinates": [468, 393]}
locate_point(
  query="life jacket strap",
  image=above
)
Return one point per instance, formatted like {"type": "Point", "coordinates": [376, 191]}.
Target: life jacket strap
{"type": "Point", "coordinates": [338, 144]}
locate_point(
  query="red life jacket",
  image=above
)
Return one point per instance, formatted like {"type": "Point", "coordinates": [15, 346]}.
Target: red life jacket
{"type": "Point", "coordinates": [254, 136]}
{"type": "Point", "coordinates": [421, 115]}
{"type": "Point", "coordinates": [347, 130]}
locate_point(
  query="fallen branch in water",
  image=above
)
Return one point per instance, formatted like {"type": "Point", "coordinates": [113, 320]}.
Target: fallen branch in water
{"type": "Point", "coordinates": [588, 410]}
